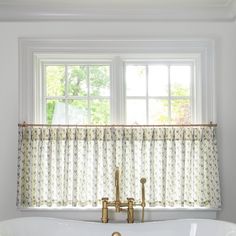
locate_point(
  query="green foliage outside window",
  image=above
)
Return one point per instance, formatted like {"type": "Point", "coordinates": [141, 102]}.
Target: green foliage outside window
{"type": "Point", "coordinates": [82, 81]}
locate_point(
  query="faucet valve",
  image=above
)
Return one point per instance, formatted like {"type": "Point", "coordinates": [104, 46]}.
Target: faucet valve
{"type": "Point", "coordinates": [105, 210]}
{"type": "Point", "coordinates": [130, 213]}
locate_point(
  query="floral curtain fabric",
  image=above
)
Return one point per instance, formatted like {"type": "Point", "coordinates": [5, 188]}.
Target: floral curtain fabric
{"type": "Point", "coordinates": [74, 167]}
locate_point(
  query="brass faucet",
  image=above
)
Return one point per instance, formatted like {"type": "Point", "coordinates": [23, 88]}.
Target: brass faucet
{"type": "Point", "coordinates": [119, 205]}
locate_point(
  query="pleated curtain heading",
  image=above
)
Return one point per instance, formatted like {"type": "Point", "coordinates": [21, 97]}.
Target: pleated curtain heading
{"type": "Point", "coordinates": [75, 166]}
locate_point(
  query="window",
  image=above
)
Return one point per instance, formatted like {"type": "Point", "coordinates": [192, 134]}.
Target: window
{"type": "Point", "coordinates": [154, 91]}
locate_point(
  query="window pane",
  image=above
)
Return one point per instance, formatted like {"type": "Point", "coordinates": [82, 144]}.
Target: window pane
{"type": "Point", "coordinates": [100, 111]}
{"type": "Point", "coordinates": [55, 80]}
{"type": "Point", "coordinates": [77, 111]}
{"type": "Point", "coordinates": [158, 111]}
{"type": "Point", "coordinates": [55, 111]}
{"type": "Point", "coordinates": [99, 80]}
{"type": "Point", "coordinates": [180, 77]}
{"type": "Point", "coordinates": [135, 80]}
{"type": "Point", "coordinates": [77, 80]}
{"type": "Point", "coordinates": [158, 80]}
{"type": "Point", "coordinates": [181, 111]}
{"type": "Point", "coordinates": [136, 111]}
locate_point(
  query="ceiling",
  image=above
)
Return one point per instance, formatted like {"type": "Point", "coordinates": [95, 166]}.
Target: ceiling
{"type": "Point", "coordinates": [213, 10]}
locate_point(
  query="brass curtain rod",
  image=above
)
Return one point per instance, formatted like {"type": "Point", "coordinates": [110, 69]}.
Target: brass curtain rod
{"type": "Point", "coordinates": [62, 125]}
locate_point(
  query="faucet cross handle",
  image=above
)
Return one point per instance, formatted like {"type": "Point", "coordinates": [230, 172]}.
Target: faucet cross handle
{"type": "Point", "coordinates": [130, 199]}
{"type": "Point", "coordinates": [105, 199]}
{"type": "Point", "coordinates": [105, 210]}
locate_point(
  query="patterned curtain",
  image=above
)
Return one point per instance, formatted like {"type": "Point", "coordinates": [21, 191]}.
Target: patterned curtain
{"type": "Point", "coordinates": [74, 167]}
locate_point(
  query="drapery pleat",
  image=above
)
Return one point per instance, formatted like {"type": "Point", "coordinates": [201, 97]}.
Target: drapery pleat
{"type": "Point", "coordinates": [74, 167]}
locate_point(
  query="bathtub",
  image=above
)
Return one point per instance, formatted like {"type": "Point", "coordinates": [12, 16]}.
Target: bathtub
{"type": "Point", "coordinates": [41, 226]}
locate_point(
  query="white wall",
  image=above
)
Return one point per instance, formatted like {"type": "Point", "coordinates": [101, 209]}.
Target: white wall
{"type": "Point", "coordinates": [223, 33]}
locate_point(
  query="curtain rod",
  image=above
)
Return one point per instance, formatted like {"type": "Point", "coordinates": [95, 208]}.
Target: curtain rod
{"type": "Point", "coordinates": [62, 125]}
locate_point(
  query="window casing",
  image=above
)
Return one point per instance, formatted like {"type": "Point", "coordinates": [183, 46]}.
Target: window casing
{"type": "Point", "coordinates": [34, 52]}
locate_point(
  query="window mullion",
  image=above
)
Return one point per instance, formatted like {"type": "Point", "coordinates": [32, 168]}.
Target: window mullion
{"type": "Point", "coordinates": [117, 91]}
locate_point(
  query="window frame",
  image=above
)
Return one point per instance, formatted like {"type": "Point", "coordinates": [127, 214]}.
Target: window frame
{"type": "Point", "coordinates": [117, 116]}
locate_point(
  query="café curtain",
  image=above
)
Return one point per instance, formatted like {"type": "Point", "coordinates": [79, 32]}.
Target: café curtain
{"type": "Point", "coordinates": [75, 166]}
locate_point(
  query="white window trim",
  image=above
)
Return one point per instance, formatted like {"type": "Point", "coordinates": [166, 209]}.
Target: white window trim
{"type": "Point", "coordinates": [31, 50]}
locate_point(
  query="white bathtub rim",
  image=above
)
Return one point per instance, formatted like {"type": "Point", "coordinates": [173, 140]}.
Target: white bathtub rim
{"type": "Point", "coordinates": [73, 221]}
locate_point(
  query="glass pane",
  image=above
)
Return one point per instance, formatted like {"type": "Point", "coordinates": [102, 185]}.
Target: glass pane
{"type": "Point", "coordinates": [181, 111]}
{"type": "Point", "coordinates": [77, 111]}
{"type": "Point", "coordinates": [55, 111]}
{"type": "Point", "coordinates": [135, 80]}
{"type": "Point", "coordinates": [158, 80]}
{"type": "Point", "coordinates": [136, 111]}
{"type": "Point", "coordinates": [180, 77]}
{"type": "Point", "coordinates": [158, 111]}
{"type": "Point", "coordinates": [55, 80]}
{"type": "Point", "coordinates": [100, 111]}
{"type": "Point", "coordinates": [77, 80]}
{"type": "Point", "coordinates": [99, 80]}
